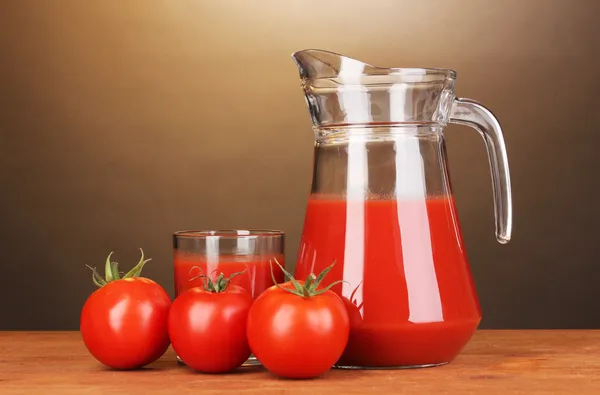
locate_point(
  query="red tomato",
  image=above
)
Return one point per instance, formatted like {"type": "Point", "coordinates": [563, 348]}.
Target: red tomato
{"type": "Point", "coordinates": [295, 336]}
{"type": "Point", "coordinates": [124, 323]}
{"type": "Point", "coordinates": [353, 313]}
{"type": "Point", "coordinates": [208, 328]}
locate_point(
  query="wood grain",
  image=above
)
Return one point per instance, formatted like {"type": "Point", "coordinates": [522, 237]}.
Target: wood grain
{"type": "Point", "coordinates": [494, 362]}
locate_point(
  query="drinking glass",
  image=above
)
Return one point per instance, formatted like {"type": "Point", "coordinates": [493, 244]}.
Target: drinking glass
{"type": "Point", "coordinates": [212, 252]}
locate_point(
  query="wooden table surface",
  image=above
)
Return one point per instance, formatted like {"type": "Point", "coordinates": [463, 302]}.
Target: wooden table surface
{"type": "Point", "coordinates": [494, 362]}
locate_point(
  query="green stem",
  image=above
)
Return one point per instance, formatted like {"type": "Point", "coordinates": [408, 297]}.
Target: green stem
{"type": "Point", "coordinates": [137, 269]}
{"type": "Point", "coordinates": [108, 269]}
{"type": "Point", "coordinates": [309, 288]}
{"type": "Point", "coordinates": [306, 292]}
{"type": "Point", "coordinates": [220, 284]}
{"type": "Point", "coordinates": [111, 271]}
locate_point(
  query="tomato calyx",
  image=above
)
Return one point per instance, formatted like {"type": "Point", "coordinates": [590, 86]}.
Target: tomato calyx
{"type": "Point", "coordinates": [309, 288]}
{"type": "Point", "coordinates": [111, 271]}
{"type": "Point", "coordinates": [220, 284]}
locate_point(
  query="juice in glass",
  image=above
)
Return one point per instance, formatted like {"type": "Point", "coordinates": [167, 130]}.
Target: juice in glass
{"type": "Point", "coordinates": [256, 276]}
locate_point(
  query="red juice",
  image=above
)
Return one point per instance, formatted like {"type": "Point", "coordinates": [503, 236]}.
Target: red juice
{"type": "Point", "coordinates": [409, 292]}
{"type": "Point", "coordinates": [256, 278]}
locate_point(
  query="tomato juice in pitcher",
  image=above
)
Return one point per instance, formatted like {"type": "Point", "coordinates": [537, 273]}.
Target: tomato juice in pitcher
{"type": "Point", "coordinates": [382, 208]}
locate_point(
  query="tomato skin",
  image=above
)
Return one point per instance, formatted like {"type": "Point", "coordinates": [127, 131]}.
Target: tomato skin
{"type": "Point", "coordinates": [353, 313]}
{"type": "Point", "coordinates": [208, 329]}
{"type": "Point", "coordinates": [297, 337]}
{"type": "Point", "coordinates": [124, 323]}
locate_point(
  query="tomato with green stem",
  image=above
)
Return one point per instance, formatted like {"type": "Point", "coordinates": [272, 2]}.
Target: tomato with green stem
{"type": "Point", "coordinates": [297, 330]}
{"type": "Point", "coordinates": [207, 325]}
{"type": "Point", "coordinates": [124, 323]}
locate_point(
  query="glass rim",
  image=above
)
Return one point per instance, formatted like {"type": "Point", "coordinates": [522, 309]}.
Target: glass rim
{"type": "Point", "coordinates": [325, 57]}
{"type": "Point", "coordinates": [228, 233]}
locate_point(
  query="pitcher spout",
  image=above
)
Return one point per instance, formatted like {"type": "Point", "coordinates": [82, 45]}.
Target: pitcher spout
{"type": "Point", "coordinates": [317, 63]}
{"type": "Point", "coordinates": [344, 91]}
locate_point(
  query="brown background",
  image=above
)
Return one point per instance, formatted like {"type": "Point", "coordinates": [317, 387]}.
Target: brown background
{"type": "Point", "coordinates": [122, 121]}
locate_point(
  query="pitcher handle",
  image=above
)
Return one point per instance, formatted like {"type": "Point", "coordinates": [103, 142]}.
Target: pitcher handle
{"type": "Point", "coordinates": [469, 112]}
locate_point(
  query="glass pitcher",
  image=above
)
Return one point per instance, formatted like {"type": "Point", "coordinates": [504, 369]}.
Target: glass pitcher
{"type": "Point", "coordinates": [381, 207]}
